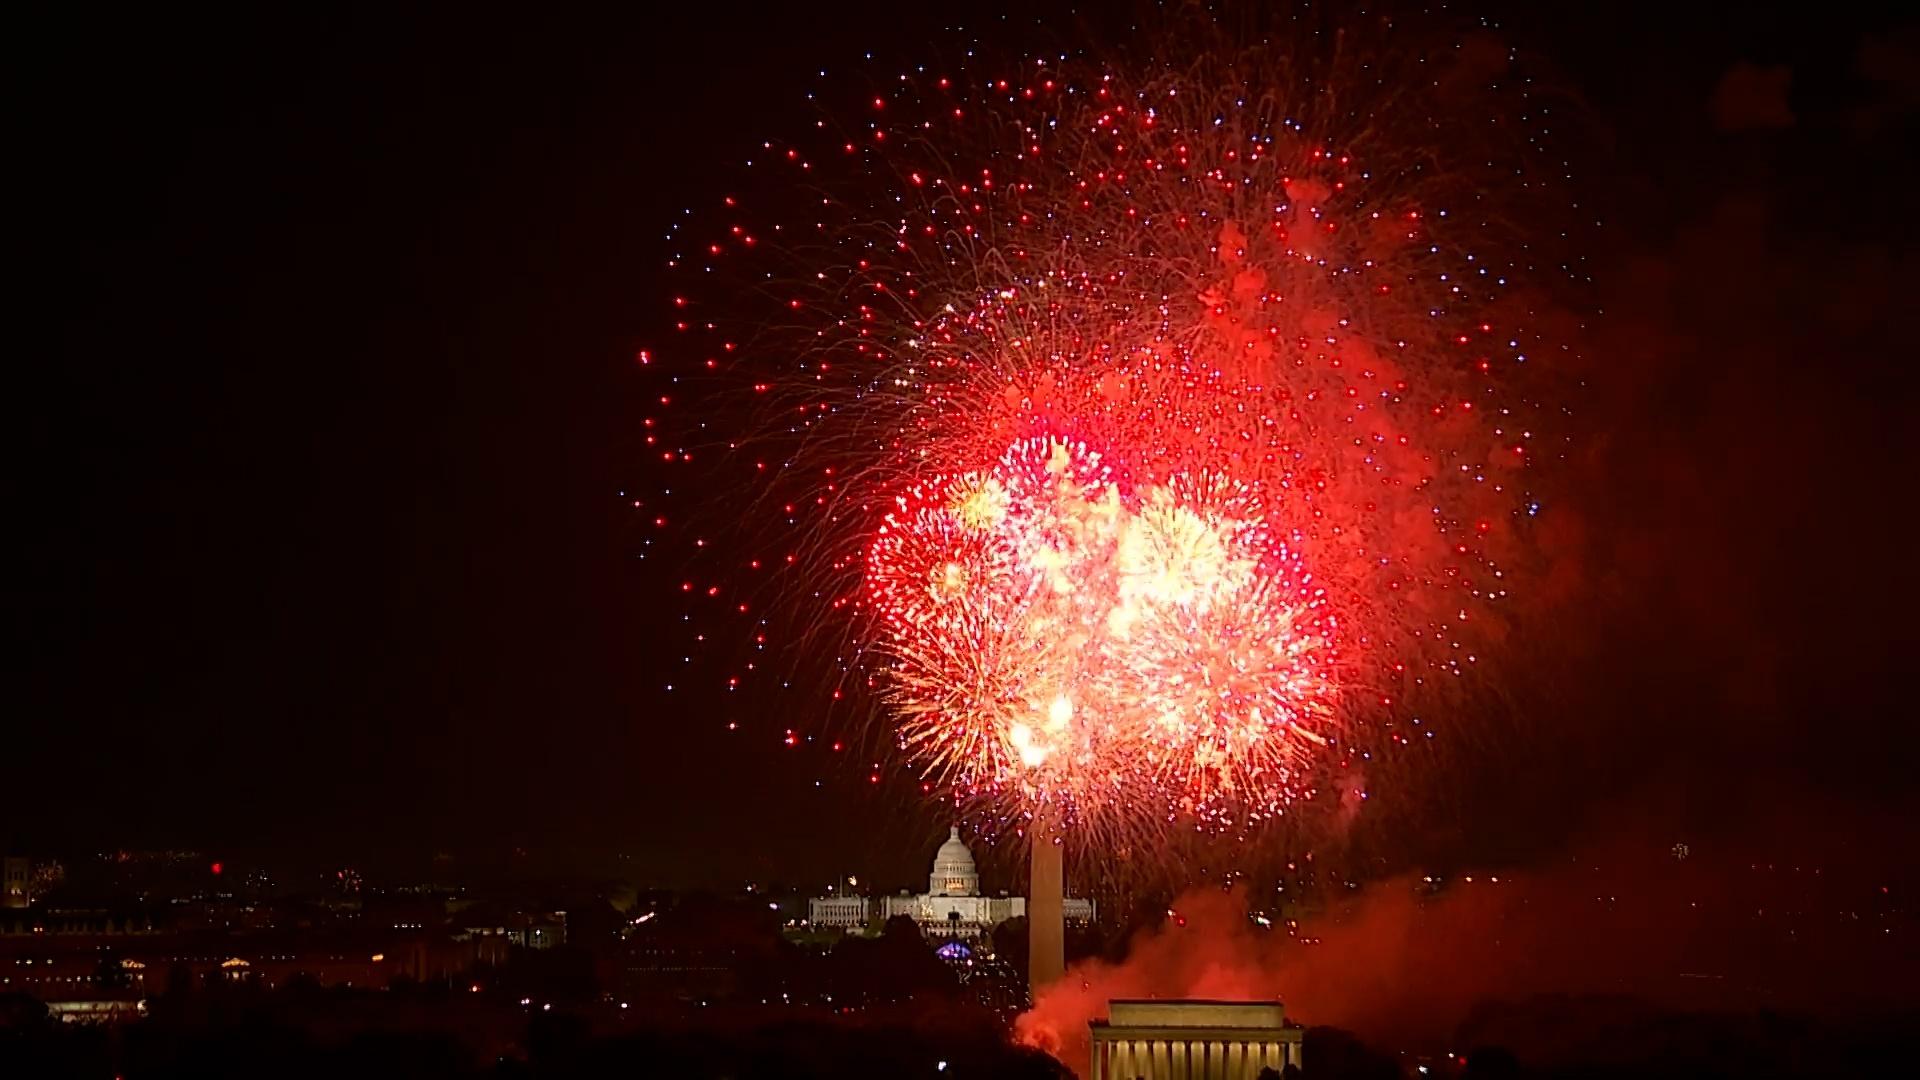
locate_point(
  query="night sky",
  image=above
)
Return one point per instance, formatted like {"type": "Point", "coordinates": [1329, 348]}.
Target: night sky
{"type": "Point", "coordinates": [328, 399]}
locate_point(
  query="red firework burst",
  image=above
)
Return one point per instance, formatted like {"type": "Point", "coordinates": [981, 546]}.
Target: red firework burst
{"type": "Point", "coordinates": [1058, 635]}
{"type": "Point", "coordinates": [1166, 425]}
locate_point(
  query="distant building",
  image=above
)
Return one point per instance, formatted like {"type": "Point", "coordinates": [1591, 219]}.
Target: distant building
{"type": "Point", "coordinates": [952, 906]}
{"type": "Point", "coordinates": [526, 929]}
{"type": "Point", "coordinates": [15, 875]}
{"type": "Point", "coordinates": [848, 912]}
{"type": "Point", "coordinates": [24, 882]}
{"type": "Point", "coordinates": [1198, 1040]}
{"type": "Point", "coordinates": [98, 1009]}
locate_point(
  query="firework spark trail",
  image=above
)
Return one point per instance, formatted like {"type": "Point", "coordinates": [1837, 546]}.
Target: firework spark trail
{"type": "Point", "coordinates": [1158, 432]}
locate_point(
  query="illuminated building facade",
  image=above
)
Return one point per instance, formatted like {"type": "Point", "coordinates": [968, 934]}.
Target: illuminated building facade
{"type": "Point", "coordinates": [1195, 1040]}
{"type": "Point", "coordinates": [952, 907]}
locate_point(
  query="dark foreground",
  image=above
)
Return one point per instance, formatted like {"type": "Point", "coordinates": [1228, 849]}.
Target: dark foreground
{"type": "Point", "coordinates": [368, 1036]}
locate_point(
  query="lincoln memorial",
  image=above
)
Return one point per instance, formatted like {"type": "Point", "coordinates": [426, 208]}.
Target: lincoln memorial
{"type": "Point", "coordinates": [1192, 1040]}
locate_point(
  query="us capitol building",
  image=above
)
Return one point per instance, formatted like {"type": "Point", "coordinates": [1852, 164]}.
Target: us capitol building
{"type": "Point", "coordinates": [952, 907]}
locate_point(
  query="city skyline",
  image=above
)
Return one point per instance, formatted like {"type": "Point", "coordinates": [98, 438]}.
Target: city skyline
{"type": "Point", "coordinates": [392, 506]}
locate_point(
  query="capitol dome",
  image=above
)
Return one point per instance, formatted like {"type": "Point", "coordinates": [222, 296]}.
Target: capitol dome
{"type": "Point", "coordinates": [953, 870]}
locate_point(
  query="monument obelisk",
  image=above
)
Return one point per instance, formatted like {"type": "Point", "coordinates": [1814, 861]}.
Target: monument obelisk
{"type": "Point", "coordinates": [1046, 922]}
